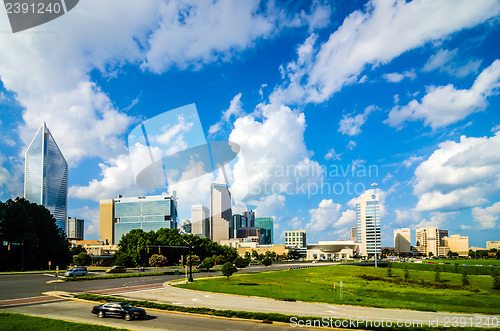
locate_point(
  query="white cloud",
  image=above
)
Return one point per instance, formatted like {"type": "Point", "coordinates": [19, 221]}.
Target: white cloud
{"type": "Point", "coordinates": [442, 61]}
{"type": "Point", "coordinates": [445, 105]}
{"type": "Point", "coordinates": [396, 77]}
{"type": "Point", "coordinates": [11, 176]}
{"type": "Point", "coordinates": [383, 31]}
{"type": "Point", "coordinates": [352, 125]}
{"type": "Point", "coordinates": [411, 160]}
{"type": "Point", "coordinates": [407, 216]}
{"type": "Point", "coordinates": [495, 128]}
{"type": "Point", "coordinates": [324, 217]}
{"type": "Point", "coordinates": [235, 110]}
{"type": "Point", "coordinates": [351, 145]}
{"type": "Point", "coordinates": [268, 205]}
{"type": "Point", "coordinates": [487, 217]}
{"type": "Point", "coordinates": [331, 155]}
{"type": "Point", "coordinates": [459, 174]}
{"type": "Point", "coordinates": [347, 219]}
{"type": "Point", "coordinates": [465, 227]}
{"type": "Point", "coordinates": [437, 219]}
{"type": "Point", "coordinates": [90, 217]}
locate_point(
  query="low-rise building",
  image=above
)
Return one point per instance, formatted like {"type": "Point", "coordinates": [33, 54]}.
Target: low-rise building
{"type": "Point", "coordinates": [332, 250]}
{"type": "Point", "coordinates": [296, 238]}
{"type": "Point", "coordinates": [457, 244]}
{"type": "Point", "coordinates": [492, 245]}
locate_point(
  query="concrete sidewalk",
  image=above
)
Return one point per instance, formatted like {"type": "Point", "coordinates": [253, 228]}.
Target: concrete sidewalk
{"type": "Point", "coordinates": [191, 298]}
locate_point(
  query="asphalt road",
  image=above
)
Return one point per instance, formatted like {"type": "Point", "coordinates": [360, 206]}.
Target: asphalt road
{"type": "Point", "coordinates": [80, 312]}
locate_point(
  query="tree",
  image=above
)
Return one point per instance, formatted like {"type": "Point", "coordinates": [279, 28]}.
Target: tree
{"type": "Point", "coordinates": [437, 276]}
{"type": "Point", "coordinates": [240, 262]}
{"type": "Point", "coordinates": [472, 253]}
{"type": "Point", "coordinates": [407, 274]}
{"type": "Point", "coordinates": [465, 279]}
{"type": "Point", "coordinates": [431, 254]}
{"type": "Point", "coordinates": [248, 256]}
{"type": "Point", "coordinates": [389, 269]}
{"type": "Point", "coordinates": [123, 259]}
{"type": "Point", "coordinates": [220, 259]}
{"type": "Point", "coordinates": [228, 269]}
{"type": "Point", "coordinates": [193, 260]}
{"type": "Point", "coordinates": [267, 261]}
{"type": "Point", "coordinates": [255, 255]}
{"type": "Point", "coordinates": [82, 259]}
{"type": "Point", "coordinates": [449, 254]}
{"type": "Point", "coordinates": [207, 263]}
{"type": "Point", "coordinates": [75, 250]}
{"type": "Point", "coordinates": [496, 280]}
{"type": "Point", "coordinates": [157, 260]}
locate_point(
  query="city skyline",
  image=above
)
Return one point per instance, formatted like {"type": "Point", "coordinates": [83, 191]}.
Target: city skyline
{"type": "Point", "coordinates": [322, 99]}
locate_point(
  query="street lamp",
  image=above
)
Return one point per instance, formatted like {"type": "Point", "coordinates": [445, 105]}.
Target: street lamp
{"type": "Point", "coordinates": [374, 185]}
{"type": "Point", "coordinates": [190, 279]}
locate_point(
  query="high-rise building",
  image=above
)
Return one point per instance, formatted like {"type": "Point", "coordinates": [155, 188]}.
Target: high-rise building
{"type": "Point", "coordinates": [457, 244]}
{"type": "Point", "coordinates": [265, 224]}
{"type": "Point", "coordinates": [354, 234]}
{"type": "Point", "coordinates": [235, 224]}
{"type": "Point", "coordinates": [249, 216]}
{"type": "Point", "coordinates": [296, 238]}
{"type": "Point", "coordinates": [368, 224]}
{"type": "Point", "coordinates": [220, 212]}
{"type": "Point", "coordinates": [185, 227]}
{"type": "Point", "coordinates": [402, 240]}
{"type": "Point", "coordinates": [249, 234]}
{"type": "Point", "coordinates": [119, 216]}
{"type": "Point", "coordinates": [46, 175]}
{"type": "Point", "coordinates": [428, 241]}
{"type": "Point", "coordinates": [200, 221]}
{"type": "Point", "coordinates": [74, 228]}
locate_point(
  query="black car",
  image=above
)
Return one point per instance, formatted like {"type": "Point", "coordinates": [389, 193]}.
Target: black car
{"type": "Point", "coordinates": [119, 309]}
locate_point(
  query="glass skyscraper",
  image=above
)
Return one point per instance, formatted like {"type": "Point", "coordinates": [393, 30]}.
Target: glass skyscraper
{"type": "Point", "coordinates": [368, 224]}
{"type": "Point", "coordinates": [265, 224]}
{"type": "Point", "coordinates": [46, 175]}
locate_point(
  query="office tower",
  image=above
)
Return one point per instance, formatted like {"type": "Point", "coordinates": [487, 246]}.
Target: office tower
{"type": "Point", "coordinates": [428, 241]}
{"type": "Point", "coordinates": [442, 234]}
{"type": "Point", "coordinates": [185, 227]}
{"type": "Point", "coordinates": [119, 216]}
{"type": "Point", "coordinates": [265, 224]}
{"type": "Point", "coordinates": [368, 224]}
{"type": "Point", "coordinates": [237, 222]}
{"type": "Point", "coordinates": [200, 221]}
{"type": "Point", "coordinates": [249, 234]}
{"type": "Point", "coordinates": [457, 244]}
{"type": "Point", "coordinates": [402, 240]}
{"type": "Point", "coordinates": [249, 216]}
{"type": "Point", "coordinates": [296, 238]}
{"type": "Point", "coordinates": [46, 175]}
{"type": "Point", "coordinates": [74, 228]}
{"type": "Point", "coordinates": [354, 235]}
{"type": "Point", "coordinates": [220, 212]}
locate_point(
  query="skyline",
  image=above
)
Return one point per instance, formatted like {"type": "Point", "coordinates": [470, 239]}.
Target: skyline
{"type": "Point", "coordinates": [322, 98]}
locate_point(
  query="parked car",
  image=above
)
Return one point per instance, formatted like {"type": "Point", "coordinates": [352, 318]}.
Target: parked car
{"type": "Point", "coordinates": [116, 269]}
{"type": "Point", "coordinates": [119, 309]}
{"type": "Point", "coordinates": [76, 271]}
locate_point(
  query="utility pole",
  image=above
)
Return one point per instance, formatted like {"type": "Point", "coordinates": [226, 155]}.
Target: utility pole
{"type": "Point", "coordinates": [374, 197]}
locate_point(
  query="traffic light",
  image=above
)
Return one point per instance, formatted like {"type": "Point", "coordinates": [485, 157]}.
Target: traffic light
{"type": "Point", "coordinates": [159, 250]}
{"type": "Point", "coordinates": [8, 247]}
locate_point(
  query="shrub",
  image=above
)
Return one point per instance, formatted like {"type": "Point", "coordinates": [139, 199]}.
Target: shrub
{"type": "Point", "coordinates": [437, 276]}
{"type": "Point", "coordinates": [407, 274]}
{"type": "Point", "coordinates": [228, 269]}
{"type": "Point", "coordinates": [157, 260]}
{"type": "Point", "coordinates": [82, 259]}
{"type": "Point", "coordinates": [465, 279]}
{"type": "Point", "coordinates": [389, 269]}
{"type": "Point", "coordinates": [267, 261]}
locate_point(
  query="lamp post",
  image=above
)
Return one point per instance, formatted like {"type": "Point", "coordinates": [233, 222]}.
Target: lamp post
{"type": "Point", "coordinates": [190, 279]}
{"type": "Point", "coordinates": [374, 197]}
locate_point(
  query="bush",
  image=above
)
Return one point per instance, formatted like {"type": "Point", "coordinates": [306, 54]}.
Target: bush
{"type": "Point", "coordinates": [465, 279]}
{"type": "Point", "coordinates": [389, 269]}
{"type": "Point", "coordinates": [240, 262]}
{"type": "Point", "coordinates": [267, 261]}
{"type": "Point", "coordinates": [437, 276]}
{"type": "Point", "coordinates": [496, 280]}
{"type": "Point", "coordinates": [407, 274]}
{"type": "Point", "coordinates": [157, 260]}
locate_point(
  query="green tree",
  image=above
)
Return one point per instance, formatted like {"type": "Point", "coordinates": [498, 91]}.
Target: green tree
{"type": "Point", "coordinates": [248, 256]}
{"type": "Point", "coordinates": [465, 279]}
{"type": "Point", "coordinates": [228, 269]}
{"type": "Point", "coordinates": [267, 261]}
{"type": "Point", "coordinates": [240, 262]}
{"type": "Point", "coordinates": [220, 259]}
{"type": "Point", "coordinates": [82, 259]}
{"type": "Point", "coordinates": [193, 260]}
{"type": "Point", "coordinates": [456, 268]}
{"type": "Point", "coordinates": [472, 253]}
{"type": "Point", "coordinates": [389, 269]}
{"type": "Point", "coordinates": [75, 250]}
{"type": "Point", "coordinates": [437, 275]}
{"type": "Point", "coordinates": [255, 255]}
{"type": "Point", "coordinates": [431, 254]}
{"type": "Point", "coordinates": [407, 274]}
{"type": "Point", "coordinates": [207, 263]}
{"type": "Point", "coordinates": [123, 259]}
{"type": "Point", "coordinates": [157, 260]}
{"type": "Point", "coordinates": [34, 228]}
{"type": "Point", "coordinates": [449, 254]}
{"type": "Point", "coordinates": [496, 280]}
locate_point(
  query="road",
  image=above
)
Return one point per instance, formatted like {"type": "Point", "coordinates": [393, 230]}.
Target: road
{"type": "Point", "coordinates": [80, 312]}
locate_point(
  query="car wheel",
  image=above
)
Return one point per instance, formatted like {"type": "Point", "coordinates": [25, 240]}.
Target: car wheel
{"type": "Point", "coordinates": [128, 317]}
{"type": "Point", "coordinates": [101, 314]}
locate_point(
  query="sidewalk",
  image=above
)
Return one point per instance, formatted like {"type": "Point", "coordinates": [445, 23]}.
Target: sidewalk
{"type": "Point", "coordinates": [191, 298]}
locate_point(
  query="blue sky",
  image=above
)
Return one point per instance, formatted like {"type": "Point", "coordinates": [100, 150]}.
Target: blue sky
{"type": "Point", "coordinates": [323, 98]}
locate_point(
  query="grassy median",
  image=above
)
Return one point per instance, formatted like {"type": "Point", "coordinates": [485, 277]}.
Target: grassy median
{"type": "Point", "coordinates": [15, 321]}
{"type": "Point", "coordinates": [322, 284]}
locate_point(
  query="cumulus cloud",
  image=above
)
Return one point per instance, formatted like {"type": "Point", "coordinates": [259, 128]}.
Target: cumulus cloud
{"type": "Point", "coordinates": [351, 125]}
{"type": "Point", "coordinates": [331, 155]}
{"type": "Point", "coordinates": [11, 175]}
{"type": "Point", "coordinates": [411, 160]}
{"type": "Point", "coordinates": [442, 61]}
{"type": "Point", "coordinates": [375, 35]}
{"type": "Point", "coordinates": [437, 219]}
{"type": "Point", "coordinates": [487, 217]}
{"type": "Point", "coordinates": [445, 105]}
{"type": "Point", "coordinates": [235, 110]}
{"type": "Point", "coordinates": [459, 174]}
{"type": "Point", "coordinates": [324, 217]}
{"type": "Point", "coordinates": [395, 77]}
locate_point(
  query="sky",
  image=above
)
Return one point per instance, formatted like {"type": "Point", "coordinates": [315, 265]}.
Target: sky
{"type": "Point", "coordinates": [322, 98]}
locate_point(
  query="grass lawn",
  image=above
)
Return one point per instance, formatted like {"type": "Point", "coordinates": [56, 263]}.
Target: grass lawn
{"type": "Point", "coordinates": [14, 321]}
{"type": "Point", "coordinates": [316, 285]}
{"type": "Point", "coordinates": [472, 267]}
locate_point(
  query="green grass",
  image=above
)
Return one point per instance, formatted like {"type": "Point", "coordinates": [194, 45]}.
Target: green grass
{"type": "Point", "coordinates": [480, 268]}
{"type": "Point", "coordinates": [14, 321]}
{"type": "Point", "coordinates": [125, 275]}
{"type": "Point", "coordinates": [316, 285]}
{"type": "Point", "coordinates": [250, 315]}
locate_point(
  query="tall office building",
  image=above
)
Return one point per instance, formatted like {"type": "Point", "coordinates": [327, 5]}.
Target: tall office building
{"type": "Point", "coordinates": [74, 228]}
{"type": "Point", "coordinates": [46, 175]}
{"type": "Point", "coordinates": [249, 216]}
{"type": "Point", "coordinates": [220, 212]}
{"type": "Point", "coordinates": [265, 224]}
{"type": "Point", "coordinates": [185, 227]}
{"type": "Point", "coordinates": [429, 241]}
{"type": "Point", "coordinates": [119, 216]}
{"type": "Point", "coordinates": [368, 224]}
{"type": "Point", "coordinates": [457, 244]}
{"type": "Point", "coordinates": [402, 240]}
{"type": "Point", "coordinates": [200, 221]}
{"type": "Point", "coordinates": [236, 223]}
{"type": "Point", "coordinates": [354, 234]}
{"type": "Point", "coordinates": [296, 238]}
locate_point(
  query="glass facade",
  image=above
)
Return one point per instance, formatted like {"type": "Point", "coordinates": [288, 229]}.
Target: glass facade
{"type": "Point", "coordinates": [368, 225]}
{"type": "Point", "coordinates": [46, 175]}
{"type": "Point", "coordinates": [147, 213]}
{"type": "Point", "coordinates": [265, 224]}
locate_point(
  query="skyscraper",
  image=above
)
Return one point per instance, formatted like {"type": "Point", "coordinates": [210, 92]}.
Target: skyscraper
{"type": "Point", "coordinates": [46, 175]}
{"type": "Point", "coordinates": [200, 221]}
{"type": "Point", "coordinates": [220, 212]}
{"type": "Point", "coordinates": [74, 228]}
{"type": "Point", "coordinates": [402, 240]}
{"type": "Point", "coordinates": [368, 224]}
{"type": "Point", "coordinates": [265, 224]}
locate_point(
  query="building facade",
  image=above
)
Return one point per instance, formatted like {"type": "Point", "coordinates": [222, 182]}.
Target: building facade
{"type": "Point", "coordinates": [296, 238]}
{"type": "Point", "coordinates": [428, 242]}
{"type": "Point", "coordinates": [457, 244]}
{"type": "Point", "coordinates": [402, 240]}
{"type": "Point", "coordinates": [200, 221]}
{"type": "Point", "coordinates": [185, 227]}
{"type": "Point", "coordinates": [332, 250]}
{"type": "Point", "coordinates": [150, 213]}
{"type": "Point", "coordinates": [492, 244]}
{"type": "Point", "coordinates": [368, 225]}
{"type": "Point", "coordinates": [265, 224]}
{"type": "Point", "coordinates": [220, 212]}
{"type": "Point", "coordinates": [74, 228]}
{"type": "Point", "coordinates": [46, 175]}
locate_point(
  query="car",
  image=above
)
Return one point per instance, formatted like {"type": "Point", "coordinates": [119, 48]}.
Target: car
{"type": "Point", "coordinates": [119, 309]}
{"type": "Point", "coordinates": [76, 271]}
{"type": "Point", "coordinates": [116, 269]}
{"type": "Point", "coordinates": [315, 261]}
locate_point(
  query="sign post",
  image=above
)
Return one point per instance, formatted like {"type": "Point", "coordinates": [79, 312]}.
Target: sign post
{"type": "Point", "coordinates": [55, 282]}
{"type": "Point", "coordinates": [50, 262]}
{"type": "Point", "coordinates": [341, 288]}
